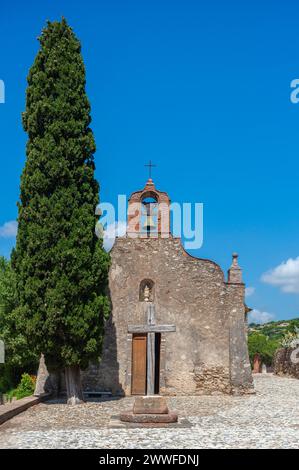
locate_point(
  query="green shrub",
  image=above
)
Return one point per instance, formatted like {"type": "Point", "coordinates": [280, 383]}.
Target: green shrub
{"type": "Point", "coordinates": [10, 376]}
{"type": "Point", "coordinates": [10, 394]}
{"type": "Point", "coordinates": [25, 387]}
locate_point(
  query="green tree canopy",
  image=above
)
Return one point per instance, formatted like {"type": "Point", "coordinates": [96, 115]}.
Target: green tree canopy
{"type": "Point", "coordinates": [60, 265]}
{"type": "Point", "coordinates": [261, 344]}
{"type": "Point", "coordinates": [293, 326]}
{"type": "Point", "coordinates": [18, 355]}
{"type": "Point", "coordinates": [8, 297]}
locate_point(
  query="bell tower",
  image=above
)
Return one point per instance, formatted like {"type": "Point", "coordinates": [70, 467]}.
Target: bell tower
{"type": "Point", "coordinates": [149, 213]}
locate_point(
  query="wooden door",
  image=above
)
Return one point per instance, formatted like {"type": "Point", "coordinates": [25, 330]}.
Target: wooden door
{"type": "Point", "coordinates": [139, 364]}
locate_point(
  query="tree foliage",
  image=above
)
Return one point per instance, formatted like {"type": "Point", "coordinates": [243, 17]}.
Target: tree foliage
{"type": "Point", "coordinates": [261, 344]}
{"type": "Point", "coordinates": [61, 267]}
{"type": "Point", "coordinates": [8, 296]}
{"type": "Point", "coordinates": [290, 338]}
{"type": "Point", "coordinates": [293, 326]}
{"type": "Point", "coordinates": [18, 355]}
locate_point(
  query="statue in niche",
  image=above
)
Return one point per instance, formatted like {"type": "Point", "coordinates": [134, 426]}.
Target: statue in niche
{"type": "Point", "coordinates": [146, 290]}
{"type": "Point", "coordinates": [146, 294]}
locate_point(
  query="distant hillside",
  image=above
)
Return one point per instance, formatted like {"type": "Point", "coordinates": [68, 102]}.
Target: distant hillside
{"type": "Point", "coordinates": [274, 329]}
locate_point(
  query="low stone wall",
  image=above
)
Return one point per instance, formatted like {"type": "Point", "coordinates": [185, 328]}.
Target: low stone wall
{"type": "Point", "coordinates": [9, 410]}
{"type": "Point", "coordinates": [283, 365]}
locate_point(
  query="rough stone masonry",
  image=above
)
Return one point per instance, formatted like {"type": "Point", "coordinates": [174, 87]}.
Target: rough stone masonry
{"type": "Point", "coordinates": [207, 353]}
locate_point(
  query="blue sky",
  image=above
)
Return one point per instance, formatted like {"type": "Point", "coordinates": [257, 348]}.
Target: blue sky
{"type": "Point", "coordinates": [203, 89]}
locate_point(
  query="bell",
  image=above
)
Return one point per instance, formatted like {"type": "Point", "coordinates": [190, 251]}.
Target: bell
{"type": "Point", "coordinates": [149, 224]}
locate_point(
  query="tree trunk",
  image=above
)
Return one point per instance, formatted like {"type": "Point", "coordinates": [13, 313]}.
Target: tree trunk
{"type": "Point", "coordinates": [73, 385]}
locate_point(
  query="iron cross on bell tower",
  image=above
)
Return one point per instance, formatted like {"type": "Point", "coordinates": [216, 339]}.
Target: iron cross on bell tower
{"type": "Point", "coordinates": [150, 165]}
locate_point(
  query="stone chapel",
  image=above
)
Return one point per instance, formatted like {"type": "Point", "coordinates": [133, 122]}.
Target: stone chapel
{"type": "Point", "coordinates": [177, 326]}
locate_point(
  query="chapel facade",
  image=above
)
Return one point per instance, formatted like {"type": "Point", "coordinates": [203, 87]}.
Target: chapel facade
{"type": "Point", "coordinates": [177, 326]}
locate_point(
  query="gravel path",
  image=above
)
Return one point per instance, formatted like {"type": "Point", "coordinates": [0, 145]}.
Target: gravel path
{"type": "Point", "coordinates": [269, 419]}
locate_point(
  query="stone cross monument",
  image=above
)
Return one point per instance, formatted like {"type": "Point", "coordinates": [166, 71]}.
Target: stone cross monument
{"type": "Point", "coordinates": [150, 409]}
{"type": "Point", "coordinates": [150, 328]}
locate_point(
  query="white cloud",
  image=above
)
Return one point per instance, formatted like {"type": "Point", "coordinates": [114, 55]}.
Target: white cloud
{"type": "Point", "coordinates": [117, 229]}
{"type": "Point", "coordinates": [9, 229]}
{"type": "Point", "coordinates": [256, 316]}
{"type": "Point", "coordinates": [285, 276]}
{"type": "Point", "coordinates": [249, 291]}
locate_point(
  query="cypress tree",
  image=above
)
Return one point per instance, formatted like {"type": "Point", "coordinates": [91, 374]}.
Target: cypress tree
{"type": "Point", "coordinates": [60, 264]}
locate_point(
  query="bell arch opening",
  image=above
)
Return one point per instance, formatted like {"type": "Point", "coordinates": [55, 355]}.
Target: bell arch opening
{"type": "Point", "coordinates": [149, 214]}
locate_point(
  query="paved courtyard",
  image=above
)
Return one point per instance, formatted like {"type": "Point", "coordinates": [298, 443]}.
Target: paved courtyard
{"type": "Point", "coordinates": [269, 419]}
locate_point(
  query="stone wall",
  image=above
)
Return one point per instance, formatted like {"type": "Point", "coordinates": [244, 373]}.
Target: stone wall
{"type": "Point", "coordinates": [240, 368]}
{"type": "Point", "coordinates": [207, 353]}
{"type": "Point", "coordinates": [283, 364]}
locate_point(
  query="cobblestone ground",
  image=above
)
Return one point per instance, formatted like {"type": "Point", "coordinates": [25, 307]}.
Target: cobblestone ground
{"type": "Point", "coordinates": [269, 419]}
